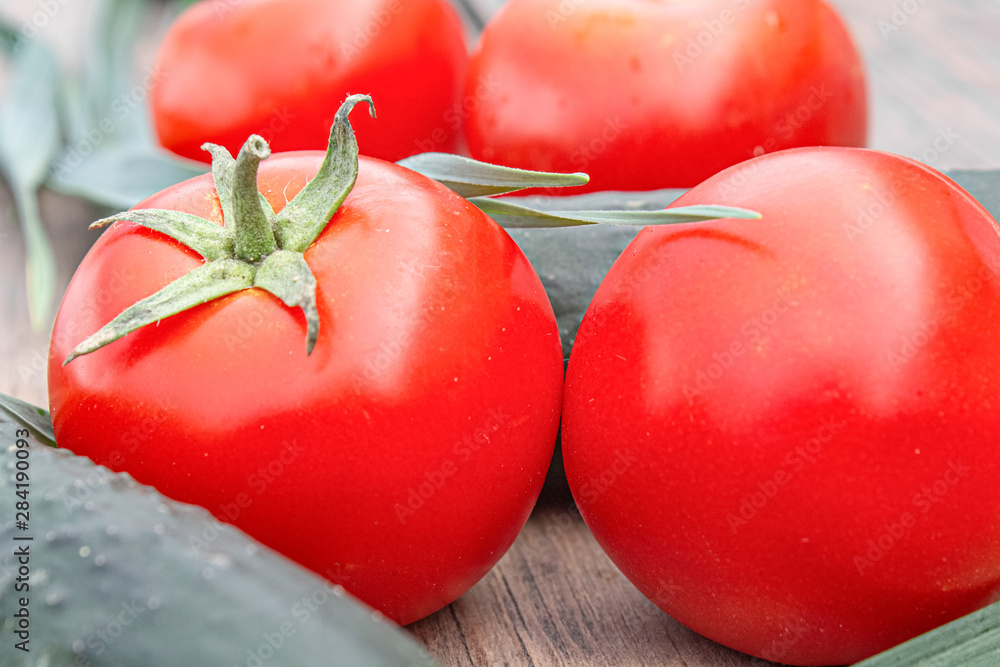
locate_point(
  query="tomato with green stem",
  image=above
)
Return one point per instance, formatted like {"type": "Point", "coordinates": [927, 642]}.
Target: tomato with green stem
{"type": "Point", "coordinates": [279, 68]}
{"type": "Point", "coordinates": [376, 398]}
{"type": "Point", "coordinates": [806, 405]}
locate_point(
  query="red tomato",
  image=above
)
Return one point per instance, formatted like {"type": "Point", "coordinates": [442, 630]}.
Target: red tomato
{"type": "Point", "coordinates": [280, 68]}
{"type": "Point", "coordinates": [401, 458]}
{"type": "Point", "coordinates": [784, 431]}
{"type": "Point", "coordinates": [644, 95]}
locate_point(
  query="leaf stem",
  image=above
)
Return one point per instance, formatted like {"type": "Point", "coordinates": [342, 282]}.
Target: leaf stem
{"type": "Point", "coordinates": [254, 236]}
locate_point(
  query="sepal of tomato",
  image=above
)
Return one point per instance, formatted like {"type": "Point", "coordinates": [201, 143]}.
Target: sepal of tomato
{"type": "Point", "coordinates": [254, 247]}
{"type": "Point", "coordinates": [400, 457]}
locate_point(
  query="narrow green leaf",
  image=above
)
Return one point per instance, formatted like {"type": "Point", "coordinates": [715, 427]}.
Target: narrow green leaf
{"type": "Point", "coordinates": [472, 178]}
{"type": "Point", "coordinates": [110, 155]}
{"type": "Point", "coordinates": [510, 215]}
{"type": "Point", "coordinates": [29, 138]}
{"type": "Point", "coordinates": [119, 177]}
{"type": "Point", "coordinates": [29, 123]}
{"type": "Point", "coordinates": [303, 218]}
{"type": "Point", "coordinates": [207, 239]}
{"type": "Point", "coordinates": [104, 105]}
{"type": "Point", "coordinates": [970, 641]}
{"type": "Point", "coordinates": [209, 281]}
{"type": "Point", "coordinates": [115, 95]}
{"type": "Point", "coordinates": [31, 417]}
{"type": "Point", "coordinates": [40, 260]}
{"type": "Point", "coordinates": [286, 275]}
{"type": "Point", "coordinates": [572, 261]}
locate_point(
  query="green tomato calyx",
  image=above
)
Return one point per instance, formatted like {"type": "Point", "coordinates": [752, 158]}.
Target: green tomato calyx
{"type": "Point", "coordinates": [255, 247]}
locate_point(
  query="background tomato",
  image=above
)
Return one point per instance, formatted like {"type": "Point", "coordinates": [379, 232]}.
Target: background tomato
{"type": "Point", "coordinates": [280, 68]}
{"type": "Point", "coordinates": [400, 458]}
{"type": "Point", "coordinates": [644, 95]}
{"type": "Point", "coordinates": [784, 431]}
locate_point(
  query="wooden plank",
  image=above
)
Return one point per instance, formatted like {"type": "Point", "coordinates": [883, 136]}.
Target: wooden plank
{"type": "Point", "coordinates": [933, 74]}
{"type": "Point", "coordinates": [556, 599]}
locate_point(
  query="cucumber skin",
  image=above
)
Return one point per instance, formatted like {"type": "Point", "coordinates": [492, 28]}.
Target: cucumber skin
{"type": "Point", "coordinates": [123, 576]}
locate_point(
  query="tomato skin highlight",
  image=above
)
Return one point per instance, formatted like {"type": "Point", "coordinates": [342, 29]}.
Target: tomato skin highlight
{"type": "Point", "coordinates": [280, 68]}
{"type": "Point", "coordinates": [645, 95]}
{"type": "Point", "coordinates": [808, 406]}
{"type": "Point", "coordinates": [401, 458]}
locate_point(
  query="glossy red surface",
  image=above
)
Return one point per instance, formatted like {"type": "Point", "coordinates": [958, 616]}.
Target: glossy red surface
{"type": "Point", "coordinates": [402, 457]}
{"type": "Point", "coordinates": [784, 431]}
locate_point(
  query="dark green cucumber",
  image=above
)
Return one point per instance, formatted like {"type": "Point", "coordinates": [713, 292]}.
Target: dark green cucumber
{"type": "Point", "coordinates": [122, 576]}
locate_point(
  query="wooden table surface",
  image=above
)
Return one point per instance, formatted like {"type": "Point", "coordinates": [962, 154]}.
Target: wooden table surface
{"type": "Point", "coordinates": [555, 598]}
